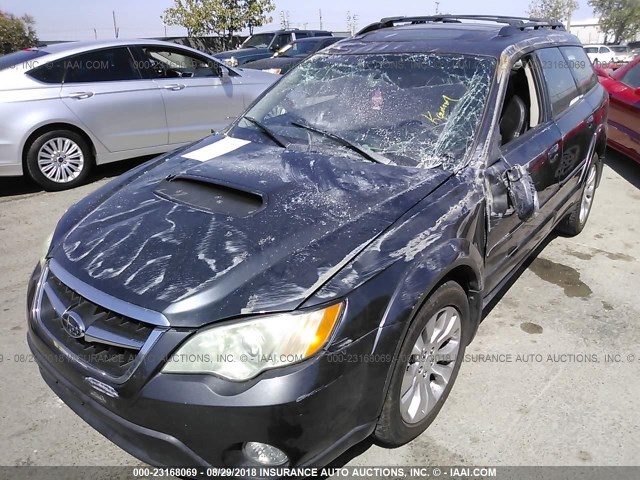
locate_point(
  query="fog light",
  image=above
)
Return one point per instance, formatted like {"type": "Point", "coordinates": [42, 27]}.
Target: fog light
{"type": "Point", "coordinates": [264, 454]}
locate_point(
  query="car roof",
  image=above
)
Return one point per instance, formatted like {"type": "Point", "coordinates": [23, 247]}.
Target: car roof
{"type": "Point", "coordinates": [475, 38]}
{"type": "Point", "coordinates": [315, 39]}
{"type": "Point", "coordinates": [294, 30]}
{"type": "Point", "coordinates": [70, 48]}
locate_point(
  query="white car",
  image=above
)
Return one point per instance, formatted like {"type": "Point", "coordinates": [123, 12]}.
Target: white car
{"type": "Point", "coordinates": [623, 53]}
{"type": "Point", "coordinates": [603, 54]}
{"type": "Point", "coordinates": [66, 107]}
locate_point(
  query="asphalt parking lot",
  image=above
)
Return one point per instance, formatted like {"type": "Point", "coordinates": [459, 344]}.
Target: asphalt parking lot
{"type": "Point", "coordinates": [551, 378]}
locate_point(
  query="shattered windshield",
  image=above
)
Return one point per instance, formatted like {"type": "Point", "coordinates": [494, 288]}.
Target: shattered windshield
{"type": "Point", "coordinates": [418, 110]}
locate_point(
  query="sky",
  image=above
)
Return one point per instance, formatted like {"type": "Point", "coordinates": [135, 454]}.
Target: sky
{"type": "Point", "coordinates": [77, 19]}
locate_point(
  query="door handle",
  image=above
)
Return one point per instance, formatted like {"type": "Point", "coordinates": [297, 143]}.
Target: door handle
{"type": "Point", "coordinates": [174, 87]}
{"type": "Point", "coordinates": [81, 95]}
{"type": "Point", "coordinates": [554, 152]}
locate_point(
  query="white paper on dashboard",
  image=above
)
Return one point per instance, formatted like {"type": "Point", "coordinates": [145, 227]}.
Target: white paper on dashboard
{"type": "Point", "coordinates": [221, 147]}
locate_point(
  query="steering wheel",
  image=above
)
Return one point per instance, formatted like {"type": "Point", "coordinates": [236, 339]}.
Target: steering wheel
{"type": "Point", "coordinates": [173, 73]}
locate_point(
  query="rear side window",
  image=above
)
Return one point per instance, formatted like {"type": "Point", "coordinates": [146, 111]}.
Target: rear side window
{"type": "Point", "coordinates": [23, 57]}
{"type": "Point", "coordinates": [560, 83]}
{"type": "Point", "coordinates": [51, 72]}
{"type": "Point", "coordinates": [110, 65]}
{"type": "Point", "coordinates": [580, 67]}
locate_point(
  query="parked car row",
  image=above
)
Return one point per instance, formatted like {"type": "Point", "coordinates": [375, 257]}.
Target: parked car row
{"type": "Point", "coordinates": [606, 54]}
{"type": "Point", "coordinates": [78, 104]}
{"type": "Point", "coordinates": [264, 45]}
{"type": "Point", "coordinates": [291, 55]}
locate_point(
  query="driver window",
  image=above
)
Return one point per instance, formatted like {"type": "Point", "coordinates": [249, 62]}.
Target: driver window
{"type": "Point", "coordinates": [521, 109]}
{"type": "Point", "coordinates": [174, 63]}
{"type": "Point", "coordinates": [281, 41]}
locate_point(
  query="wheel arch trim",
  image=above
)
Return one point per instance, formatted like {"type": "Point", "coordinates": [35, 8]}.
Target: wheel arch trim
{"type": "Point", "coordinates": [49, 126]}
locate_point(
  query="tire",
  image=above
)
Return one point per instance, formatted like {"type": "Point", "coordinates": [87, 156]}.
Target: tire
{"type": "Point", "coordinates": [575, 221]}
{"type": "Point", "coordinates": [403, 420]}
{"type": "Point", "coordinates": [59, 160]}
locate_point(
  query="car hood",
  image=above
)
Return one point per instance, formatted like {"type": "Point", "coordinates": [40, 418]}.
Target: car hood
{"type": "Point", "coordinates": [254, 229]}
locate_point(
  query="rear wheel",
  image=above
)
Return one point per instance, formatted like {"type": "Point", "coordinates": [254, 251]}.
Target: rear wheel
{"type": "Point", "coordinates": [430, 357]}
{"type": "Point", "coordinates": [577, 218]}
{"type": "Point", "coordinates": [59, 160]}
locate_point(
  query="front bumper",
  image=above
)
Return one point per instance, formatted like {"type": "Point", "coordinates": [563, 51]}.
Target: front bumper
{"type": "Point", "coordinates": [313, 411]}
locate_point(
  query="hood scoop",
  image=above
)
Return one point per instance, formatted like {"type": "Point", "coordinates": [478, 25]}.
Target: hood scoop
{"type": "Point", "coordinates": [211, 196]}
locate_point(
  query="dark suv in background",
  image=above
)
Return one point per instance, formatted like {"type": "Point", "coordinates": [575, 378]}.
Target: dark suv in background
{"type": "Point", "coordinates": [264, 45]}
{"type": "Point", "coordinates": [311, 277]}
{"type": "Point", "coordinates": [291, 55]}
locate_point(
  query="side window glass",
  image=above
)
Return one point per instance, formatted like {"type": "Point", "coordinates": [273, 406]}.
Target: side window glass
{"type": "Point", "coordinates": [558, 78]}
{"type": "Point", "coordinates": [110, 65]}
{"type": "Point", "coordinates": [604, 50]}
{"type": "Point", "coordinates": [522, 109]}
{"type": "Point", "coordinates": [51, 72]}
{"type": "Point", "coordinates": [632, 77]}
{"type": "Point", "coordinates": [580, 67]}
{"type": "Point", "coordinates": [174, 63]}
{"type": "Point", "coordinates": [282, 40]}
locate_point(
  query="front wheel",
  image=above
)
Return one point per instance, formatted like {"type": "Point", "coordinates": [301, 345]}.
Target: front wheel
{"type": "Point", "coordinates": [430, 357]}
{"type": "Point", "coordinates": [59, 160]}
{"type": "Point", "coordinates": [577, 218]}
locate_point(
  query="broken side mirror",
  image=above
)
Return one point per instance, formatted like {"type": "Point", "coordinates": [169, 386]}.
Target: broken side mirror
{"type": "Point", "coordinates": [522, 193]}
{"type": "Point", "coordinates": [511, 190]}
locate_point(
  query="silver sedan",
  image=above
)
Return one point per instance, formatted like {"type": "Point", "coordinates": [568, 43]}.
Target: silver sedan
{"type": "Point", "coordinates": [67, 107]}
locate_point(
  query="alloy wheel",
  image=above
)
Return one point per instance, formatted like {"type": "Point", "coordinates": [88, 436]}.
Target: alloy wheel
{"type": "Point", "coordinates": [61, 160]}
{"type": "Point", "coordinates": [587, 194]}
{"type": "Point", "coordinates": [431, 364]}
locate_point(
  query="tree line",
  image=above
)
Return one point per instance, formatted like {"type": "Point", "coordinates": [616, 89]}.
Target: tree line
{"type": "Point", "coordinates": [619, 19]}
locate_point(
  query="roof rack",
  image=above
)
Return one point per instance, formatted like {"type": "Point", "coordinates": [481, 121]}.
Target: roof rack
{"type": "Point", "coordinates": [512, 24]}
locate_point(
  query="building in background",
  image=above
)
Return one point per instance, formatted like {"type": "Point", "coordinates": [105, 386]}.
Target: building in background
{"type": "Point", "coordinates": [588, 31]}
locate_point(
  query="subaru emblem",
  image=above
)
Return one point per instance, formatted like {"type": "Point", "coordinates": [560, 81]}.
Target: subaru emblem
{"type": "Point", "coordinates": [73, 324]}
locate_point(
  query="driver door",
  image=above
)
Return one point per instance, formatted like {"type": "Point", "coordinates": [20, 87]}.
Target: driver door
{"type": "Point", "coordinates": [535, 149]}
{"type": "Point", "coordinates": [197, 101]}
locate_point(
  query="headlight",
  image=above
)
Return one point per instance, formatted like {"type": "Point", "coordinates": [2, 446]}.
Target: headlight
{"type": "Point", "coordinates": [240, 351]}
{"type": "Point", "coordinates": [230, 62]}
{"type": "Point", "coordinates": [273, 70]}
{"type": "Point", "coordinates": [45, 249]}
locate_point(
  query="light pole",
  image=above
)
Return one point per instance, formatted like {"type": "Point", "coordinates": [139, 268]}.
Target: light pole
{"type": "Point", "coordinates": [164, 24]}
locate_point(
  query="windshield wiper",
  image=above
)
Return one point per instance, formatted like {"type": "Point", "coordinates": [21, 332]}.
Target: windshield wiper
{"type": "Point", "coordinates": [365, 152]}
{"type": "Point", "coordinates": [267, 131]}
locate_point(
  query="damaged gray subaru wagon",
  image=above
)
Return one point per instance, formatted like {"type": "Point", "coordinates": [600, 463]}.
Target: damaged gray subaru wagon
{"type": "Point", "coordinates": [310, 277]}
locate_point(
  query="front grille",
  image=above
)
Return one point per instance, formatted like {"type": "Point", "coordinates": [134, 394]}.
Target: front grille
{"type": "Point", "coordinates": [109, 342]}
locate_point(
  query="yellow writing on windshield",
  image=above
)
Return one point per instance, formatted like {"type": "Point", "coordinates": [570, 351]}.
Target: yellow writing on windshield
{"type": "Point", "coordinates": [441, 114]}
